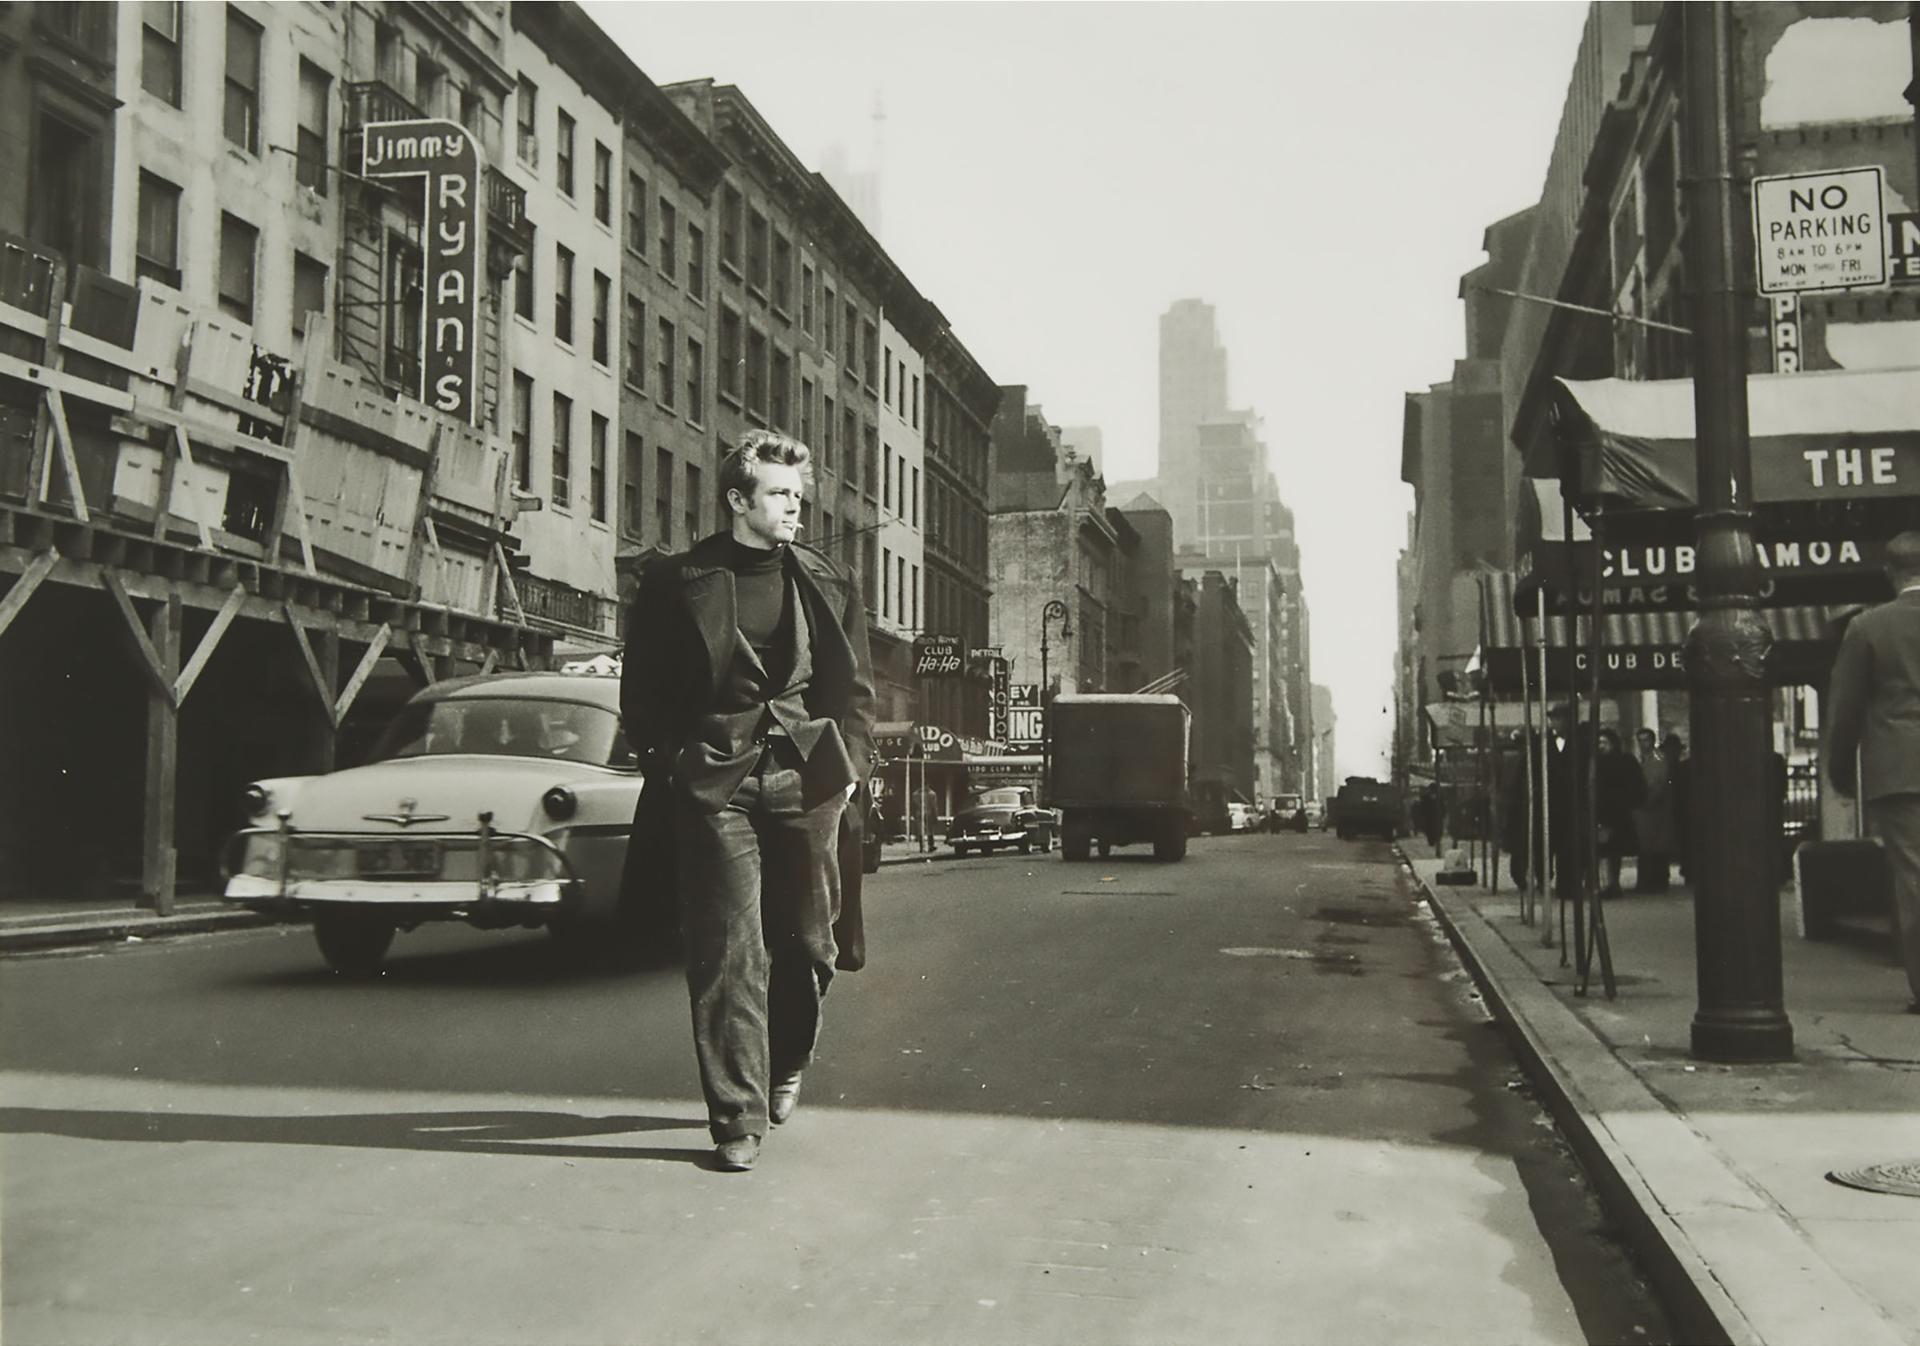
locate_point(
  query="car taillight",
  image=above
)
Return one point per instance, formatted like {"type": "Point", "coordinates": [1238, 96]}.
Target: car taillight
{"type": "Point", "coordinates": [559, 802]}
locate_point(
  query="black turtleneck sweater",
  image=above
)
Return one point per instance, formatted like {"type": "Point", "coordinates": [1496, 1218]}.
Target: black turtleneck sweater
{"type": "Point", "coordinates": [760, 588]}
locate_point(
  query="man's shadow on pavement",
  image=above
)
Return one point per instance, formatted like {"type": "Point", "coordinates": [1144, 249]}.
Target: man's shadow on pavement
{"type": "Point", "coordinates": [495, 1132]}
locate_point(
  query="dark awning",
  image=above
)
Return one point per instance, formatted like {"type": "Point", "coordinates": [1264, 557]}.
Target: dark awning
{"type": "Point", "coordinates": [1833, 435]}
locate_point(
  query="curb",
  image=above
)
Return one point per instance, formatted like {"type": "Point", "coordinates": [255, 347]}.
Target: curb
{"type": "Point", "coordinates": [1768, 1285]}
{"type": "Point", "coordinates": [25, 937]}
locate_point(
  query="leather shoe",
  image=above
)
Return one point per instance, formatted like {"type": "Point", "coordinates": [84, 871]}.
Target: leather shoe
{"type": "Point", "coordinates": [737, 1155]}
{"type": "Point", "coordinates": [783, 1098]}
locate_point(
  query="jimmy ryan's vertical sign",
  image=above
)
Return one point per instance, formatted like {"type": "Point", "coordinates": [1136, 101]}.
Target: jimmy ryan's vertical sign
{"type": "Point", "coordinates": [446, 157]}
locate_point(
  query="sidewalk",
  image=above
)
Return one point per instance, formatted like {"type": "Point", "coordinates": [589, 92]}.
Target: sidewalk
{"type": "Point", "coordinates": [1717, 1174]}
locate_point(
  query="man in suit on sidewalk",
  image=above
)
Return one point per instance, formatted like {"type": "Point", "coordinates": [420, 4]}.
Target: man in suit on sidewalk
{"type": "Point", "coordinates": [747, 690]}
{"type": "Point", "coordinates": [1873, 708]}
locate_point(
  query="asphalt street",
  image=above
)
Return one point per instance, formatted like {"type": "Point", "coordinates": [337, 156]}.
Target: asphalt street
{"type": "Point", "coordinates": [1250, 1097]}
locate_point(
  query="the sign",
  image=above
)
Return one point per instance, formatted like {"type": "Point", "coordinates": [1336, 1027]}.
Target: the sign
{"type": "Point", "coordinates": [444, 155]}
{"type": "Point", "coordinates": [1820, 231]}
{"type": "Point", "coordinates": [937, 743]}
{"type": "Point", "coordinates": [1783, 328]}
{"type": "Point", "coordinates": [999, 699]}
{"type": "Point", "coordinates": [936, 656]}
{"type": "Point", "coordinates": [1026, 726]}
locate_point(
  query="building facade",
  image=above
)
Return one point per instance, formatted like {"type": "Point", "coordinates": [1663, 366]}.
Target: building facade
{"type": "Point", "coordinates": [961, 401]}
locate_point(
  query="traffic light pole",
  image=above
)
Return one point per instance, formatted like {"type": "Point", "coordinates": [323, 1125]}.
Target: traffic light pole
{"type": "Point", "coordinates": [1740, 1015]}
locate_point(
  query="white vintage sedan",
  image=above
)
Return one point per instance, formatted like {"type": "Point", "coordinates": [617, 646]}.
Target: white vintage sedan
{"type": "Point", "coordinates": [501, 800]}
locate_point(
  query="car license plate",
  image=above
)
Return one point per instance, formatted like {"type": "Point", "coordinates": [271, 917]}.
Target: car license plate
{"type": "Point", "coordinates": [399, 859]}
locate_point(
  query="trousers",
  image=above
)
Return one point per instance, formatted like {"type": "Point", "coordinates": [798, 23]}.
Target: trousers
{"type": "Point", "coordinates": [1895, 820]}
{"type": "Point", "coordinates": [759, 886]}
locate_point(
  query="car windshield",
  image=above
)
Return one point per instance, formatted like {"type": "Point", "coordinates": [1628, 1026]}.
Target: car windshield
{"type": "Point", "coordinates": [566, 731]}
{"type": "Point", "coordinates": [1008, 798]}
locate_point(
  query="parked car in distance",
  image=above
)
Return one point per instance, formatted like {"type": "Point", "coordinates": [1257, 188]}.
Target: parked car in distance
{"type": "Point", "coordinates": [1003, 816]}
{"type": "Point", "coordinates": [1240, 815]}
{"type": "Point", "coordinates": [1367, 805]}
{"type": "Point", "coordinates": [500, 800]}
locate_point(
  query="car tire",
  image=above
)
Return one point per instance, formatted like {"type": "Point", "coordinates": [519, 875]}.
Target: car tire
{"type": "Point", "coordinates": [1171, 844]}
{"type": "Point", "coordinates": [1026, 848]}
{"type": "Point", "coordinates": [1106, 849]}
{"type": "Point", "coordinates": [1075, 843]}
{"type": "Point", "coordinates": [353, 945]}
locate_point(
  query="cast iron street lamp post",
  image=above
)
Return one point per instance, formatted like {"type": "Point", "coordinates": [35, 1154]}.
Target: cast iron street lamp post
{"type": "Point", "coordinates": [1736, 920]}
{"type": "Point", "coordinates": [1054, 608]}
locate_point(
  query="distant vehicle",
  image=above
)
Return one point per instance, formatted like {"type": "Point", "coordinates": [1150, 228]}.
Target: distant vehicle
{"type": "Point", "coordinates": [1367, 805]}
{"type": "Point", "coordinates": [1003, 816]}
{"type": "Point", "coordinates": [1119, 772]}
{"type": "Point", "coordinates": [1317, 815]}
{"type": "Point", "coordinates": [1240, 816]}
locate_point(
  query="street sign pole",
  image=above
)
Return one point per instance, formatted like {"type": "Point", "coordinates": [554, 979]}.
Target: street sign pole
{"type": "Point", "coordinates": [1740, 1015]}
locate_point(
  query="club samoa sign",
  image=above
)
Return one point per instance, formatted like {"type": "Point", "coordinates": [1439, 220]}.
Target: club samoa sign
{"type": "Point", "coordinates": [443, 154]}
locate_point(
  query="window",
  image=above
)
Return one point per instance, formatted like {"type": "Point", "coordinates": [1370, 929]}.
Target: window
{"type": "Point", "coordinates": [852, 324]}
{"type": "Point", "coordinates": [826, 318]}
{"type": "Point", "coordinates": [695, 499]}
{"type": "Point", "coordinates": [696, 261]}
{"type": "Point", "coordinates": [309, 290]}
{"type": "Point", "coordinates": [562, 457]}
{"type": "Point", "coordinates": [310, 149]}
{"type": "Point", "coordinates": [602, 183]}
{"type": "Point", "coordinates": [523, 285]}
{"type": "Point", "coordinates": [887, 396]}
{"type": "Point", "coordinates": [806, 299]}
{"type": "Point", "coordinates": [429, 87]}
{"type": "Point", "coordinates": [806, 412]}
{"type": "Point", "coordinates": [156, 251]}
{"type": "Point", "coordinates": [916, 401]}
{"type": "Point", "coordinates": [386, 53]}
{"type": "Point", "coordinates": [730, 207]}
{"type": "Point", "coordinates": [242, 115]}
{"type": "Point", "coordinates": [913, 591]}
{"type": "Point", "coordinates": [757, 372]}
{"type": "Point", "coordinates": [160, 49]}
{"type": "Point", "coordinates": [886, 477]}
{"type": "Point", "coordinates": [664, 388]}
{"type": "Point", "coordinates": [637, 213]}
{"type": "Point", "coordinates": [526, 102]}
{"type": "Point", "coordinates": [597, 467]}
{"type": "Point", "coordinates": [602, 318]}
{"type": "Point", "coordinates": [781, 409]}
{"type": "Point", "coordinates": [522, 431]}
{"type": "Point", "coordinates": [563, 293]}
{"type": "Point", "coordinates": [758, 260]}
{"type": "Point", "coordinates": [850, 447]}
{"type": "Point", "coordinates": [636, 341]}
{"type": "Point", "coordinates": [867, 577]}
{"type": "Point", "coordinates": [669, 236]}
{"type": "Point", "coordinates": [869, 342]}
{"type": "Point", "coordinates": [663, 497]}
{"type": "Point", "coordinates": [237, 242]}
{"type": "Point", "coordinates": [871, 441]}
{"type": "Point", "coordinates": [886, 582]}
{"type": "Point", "coordinates": [563, 154]}
{"type": "Point", "coordinates": [900, 589]}
{"type": "Point", "coordinates": [782, 273]}
{"type": "Point", "coordinates": [826, 433]}
{"type": "Point", "coordinates": [914, 500]}
{"type": "Point", "coordinates": [630, 484]}
{"type": "Point", "coordinates": [730, 354]}
{"type": "Point", "coordinates": [696, 382]}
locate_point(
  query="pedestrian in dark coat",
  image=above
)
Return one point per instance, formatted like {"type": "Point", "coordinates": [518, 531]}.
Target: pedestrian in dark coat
{"type": "Point", "coordinates": [1873, 708]}
{"type": "Point", "coordinates": [748, 692]}
{"type": "Point", "coordinates": [1619, 789]}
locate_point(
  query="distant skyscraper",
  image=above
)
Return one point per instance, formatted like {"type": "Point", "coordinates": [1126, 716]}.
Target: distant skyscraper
{"type": "Point", "coordinates": [1193, 390]}
{"type": "Point", "coordinates": [860, 190]}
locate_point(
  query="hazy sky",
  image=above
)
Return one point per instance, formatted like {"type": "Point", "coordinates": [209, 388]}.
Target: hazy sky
{"type": "Point", "coordinates": [1055, 175]}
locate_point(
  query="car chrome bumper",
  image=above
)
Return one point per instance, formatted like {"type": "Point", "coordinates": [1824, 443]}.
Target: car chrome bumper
{"type": "Point", "coordinates": [456, 900]}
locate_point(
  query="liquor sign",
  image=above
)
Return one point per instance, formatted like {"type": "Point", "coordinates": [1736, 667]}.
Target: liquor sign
{"type": "Point", "coordinates": [1820, 231]}
{"type": "Point", "coordinates": [999, 699]}
{"type": "Point", "coordinates": [936, 656]}
{"type": "Point", "coordinates": [1026, 720]}
{"type": "Point", "coordinates": [444, 154]}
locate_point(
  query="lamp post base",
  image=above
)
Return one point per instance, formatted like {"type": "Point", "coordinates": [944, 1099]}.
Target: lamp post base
{"type": "Point", "coordinates": [1760, 1033]}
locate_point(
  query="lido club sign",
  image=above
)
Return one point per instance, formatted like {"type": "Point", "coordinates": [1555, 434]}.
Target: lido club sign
{"type": "Point", "coordinates": [444, 154]}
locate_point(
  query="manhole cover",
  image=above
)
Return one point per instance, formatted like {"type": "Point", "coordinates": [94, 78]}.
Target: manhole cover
{"type": "Point", "coordinates": [1901, 1179]}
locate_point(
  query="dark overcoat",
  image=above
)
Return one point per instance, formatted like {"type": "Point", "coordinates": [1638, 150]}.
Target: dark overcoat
{"type": "Point", "coordinates": [681, 635]}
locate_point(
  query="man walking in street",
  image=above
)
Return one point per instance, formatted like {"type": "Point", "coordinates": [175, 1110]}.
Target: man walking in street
{"type": "Point", "coordinates": [1873, 707]}
{"type": "Point", "coordinates": [748, 691]}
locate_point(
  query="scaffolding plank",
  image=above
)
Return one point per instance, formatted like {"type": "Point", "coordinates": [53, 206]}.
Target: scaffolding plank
{"type": "Point", "coordinates": [321, 685]}
{"type": "Point", "coordinates": [37, 570]}
{"type": "Point", "coordinates": [149, 657]}
{"type": "Point", "coordinates": [361, 673]}
{"type": "Point", "coordinates": [209, 642]}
